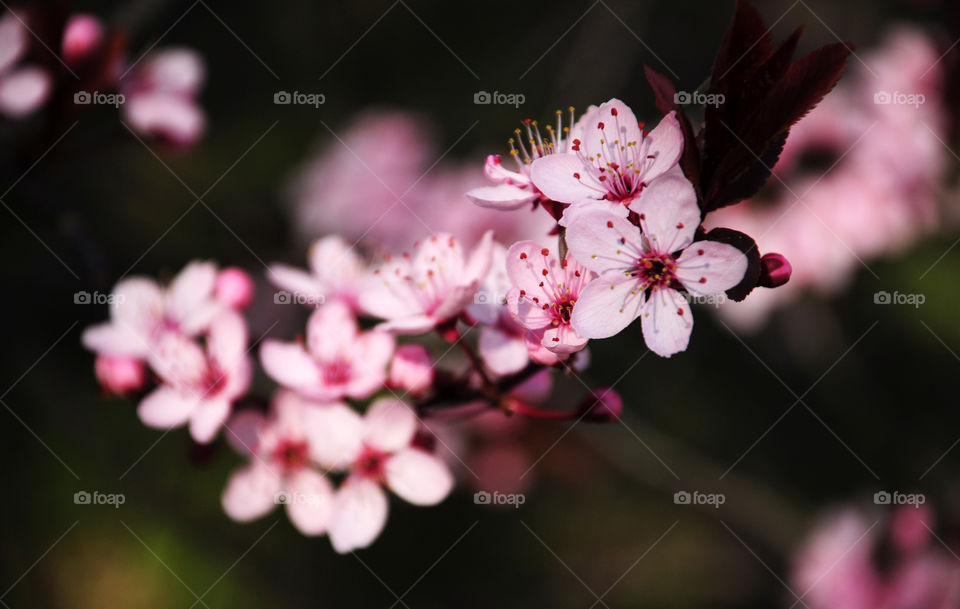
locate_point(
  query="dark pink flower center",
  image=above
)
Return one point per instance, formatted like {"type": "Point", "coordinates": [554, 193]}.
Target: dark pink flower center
{"type": "Point", "coordinates": [291, 454]}
{"type": "Point", "coordinates": [656, 270]}
{"type": "Point", "coordinates": [336, 372]}
{"type": "Point", "coordinates": [371, 463]}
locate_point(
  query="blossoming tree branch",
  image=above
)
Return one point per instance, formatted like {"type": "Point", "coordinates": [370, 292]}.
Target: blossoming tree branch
{"type": "Point", "coordinates": [349, 421]}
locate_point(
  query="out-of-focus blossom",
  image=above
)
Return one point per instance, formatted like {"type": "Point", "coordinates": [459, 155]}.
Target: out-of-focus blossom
{"type": "Point", "coordinates": [515, 188]}
{"type": "Point", "coordinates": [337, 361]}
{"type": "Point", "coordinates": [837, 567]}
{"type": "Point", "coordinates": [120, 375]}
{"type": "Point", "coordinates": [23, 88]}
{"type": "Point", "coordinates": [161, 96]}
{"type": "Point", "coordinates": [416, 293]}
{"type": "Point", "coordinates": [142, 311]}
{"type": "Point", "coordinates": [336, 272]}
{"type": "Point", "coordinates": [613, 162]}
{"type": "Point", "coordinates": [640, 273]}
{"type": "Point", "coordinates": [81, 35]}
{"type": "Point", "coordinates": [411, 369]}
{"type": "Point", "coordinates": [199, 384]}
{"type": "Point", "coordinates": [379, 454]}
{"type": "Point", "coordinates": [284, 454]}
{"type": "Point", "coordinates": [376, 183]}
{"type": "Point", "coordinates": [544, 294]}
{"type": "Point", "coordinates": [865, 165]}
{"type": "Point", "coordinates": [234, 287]}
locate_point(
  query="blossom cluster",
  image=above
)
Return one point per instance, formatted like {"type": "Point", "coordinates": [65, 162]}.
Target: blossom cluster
{"type": "Point", "coordinates": [346, 420]}
{"type": "Point", "coordinates": [156, 94]}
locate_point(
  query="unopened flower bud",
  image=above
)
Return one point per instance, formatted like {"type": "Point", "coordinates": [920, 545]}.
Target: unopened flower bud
{"type": "Point", "coordinates": [234, 287]}
{"type": "Point", "coordinates": [81, 36]}
{"type": "Point", "coordinates": [120, 375]}
{"type": "Point", "coordinates": [775, 270]}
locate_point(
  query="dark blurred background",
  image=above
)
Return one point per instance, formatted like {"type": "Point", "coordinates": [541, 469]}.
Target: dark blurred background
{"type": "Point", "coordinates": [599, 517]}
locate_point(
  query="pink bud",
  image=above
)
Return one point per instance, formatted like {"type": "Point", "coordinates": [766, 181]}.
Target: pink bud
{"type": "Point", "coordinates": [412, 369]}
{"type": "Point", "coordinates": [120, 375]}
{"type": "Point", "coordinates": [602, 405]}
{"type": "Point", "coordinates": [234, 287]}
{"type": "Point", "coordinates": [81, 36]}
{"type": "Point", "coordinates": [775, 270]}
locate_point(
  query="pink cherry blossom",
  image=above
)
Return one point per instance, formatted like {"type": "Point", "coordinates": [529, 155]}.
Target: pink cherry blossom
{"type": "Point", "coordinates": [23, 88]}
{"type": "Point", "coordinates": [234, 287]}
{"type": "Point", "coordinates": [641, 274]}
{"type": "Point", "coordinates": [120, 375]}
{"type": "Point", "coordinates": [613, 160]}
{"type": "Point", "coordinates": [515, 188]}
{"type": "Point", "coordinates": [503, 343]}
{"type": "Point", "coordinates": [336, 272]}
{"type": "Point", "coordinates": [337, 361]}
{"type": "Point", "coordinates": [378, 454]}
{"type": "Point", "coordinates": [81, 35]}
{"type": "Point", "coordinates": [142, 310]}
{"type": "Point", "coordinates": [411, 369]}
{"type": "Point", "coordinates": [545, 293]}
{"type": "Point", "coordinates": [199, 384]}
{"type": "Point", "coordinates": [284, 456]}
{"type": "Point", "coordinates": [161, 96]}
{"type": "Point", "coordinates": [434, 285]}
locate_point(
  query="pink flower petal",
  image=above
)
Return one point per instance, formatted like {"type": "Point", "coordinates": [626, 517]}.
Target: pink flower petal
{"type": "Point", "coordinates": [309, 501]}
{"type": "Point", "coordinates": [709, 267]}
{"type": "Point", "coordinates": [502, 353]}
{"type": "Point", "coordinates": [605, 308]}
{"type": "Point", "coordinates": [604, 242]}
{"type": "Point", "coordinates": [243, 431]}
{"type": "Point", "coordinates": [24, 90]}
{"type": "Point", "coordinates": [165, 408]}
{"type": "Point", "coordinates": [502, 196]}
{"type": "Point", "coordinates": [555, 176]}
{"type": "Point", "coordinates": [359, 514]}
{"type": "Point", "coordinates": [667, 322]}
{"type": "Point", "coordinates": [335, 432]}
{"type": "Point", "coordinates": [208, 418]}
{"type": "Point", "coordinates": [669, 214]}
{"type": "Point", "coordinates": [418, 477]}
{"type": "Point", "coordinates": [666, 142]}
{"type": "Point", "coordinates": [250, 492]}
{"type": "Point", "coordinates": [389, 425]}
{"type": "Point", "coordinates": [289, 364]}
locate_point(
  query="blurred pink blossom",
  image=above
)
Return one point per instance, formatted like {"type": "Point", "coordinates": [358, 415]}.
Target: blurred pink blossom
{"type": "Point", "coordinates": [161, 96]}
{"type": "Point", "coordinates": [23, 88]}
{"type": "Point", "coordinates": [120, 375]}
{"type": "Point", "coordinates": [875, 188]}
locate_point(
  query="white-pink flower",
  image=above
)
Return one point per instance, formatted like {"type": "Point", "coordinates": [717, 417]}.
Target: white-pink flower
{"type": "Point", "coordinates": [612, 160]}
{"type": "Point", "coordinates": [141, 311]}
{"type": "Point", "coordinates": [161, 96]}
{"type": "Point", "coordinates": [378, 453]}
{"type": "Point", "coordinates": [641, 274]}
{"type": "Point", "coordinates": [515, 188]}
{"type": "Point", "coordinates": [337, 361]}
{"type": "Point", "coordinates": [199, 384]}
{"type": "Point", "coordinates": [415, 293]}
{"type": "Point", "coordinates": [284, 456]}
{"type": "Point", "coordinates": [336, 272]}
{"type": "Point", "coordinates": [544, 294]}
{"type": "Point", "coordinates": [23, 88]}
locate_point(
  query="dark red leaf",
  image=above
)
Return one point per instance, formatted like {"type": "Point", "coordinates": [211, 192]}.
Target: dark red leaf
{"type": "Point", "coordinates": [748, 246]}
